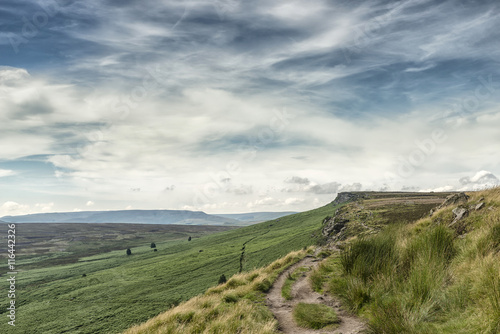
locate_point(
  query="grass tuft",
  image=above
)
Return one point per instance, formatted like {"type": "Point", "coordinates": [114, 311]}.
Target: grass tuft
{"type": "Point", "coordinates": [314, 316]}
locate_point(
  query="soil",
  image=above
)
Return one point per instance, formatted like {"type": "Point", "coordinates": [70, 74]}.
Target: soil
{"type": "Point", "coordinates": [303, 292]}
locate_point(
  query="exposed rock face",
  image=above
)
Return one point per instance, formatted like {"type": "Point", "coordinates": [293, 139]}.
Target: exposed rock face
{"type": "Point", "coordinates": [460, 213]}
{"type": "Point", "coordinates": [333, 226]}
{"type": "Point", "coordinates": [347, 197]}
{"type": "Point", "coordinates": [453, 199]}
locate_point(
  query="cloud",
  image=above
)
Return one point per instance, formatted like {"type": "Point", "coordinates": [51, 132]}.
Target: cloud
{"type": "Point", "coordinates": [6, 172]}
{"type": "Point", "coordinates": [227, 100]}
{"type": "Point", "coordinates": [44, 207]}
{"type": "Point", "coordinates": [298, 180]}
{"type": "Point", "coordinates": [240, 190]}
{"type": "Point", "coordinates": [327, 188]}
{"type": "Point", "coordinates": [440, 189]}
{"type": "Point", "coordinates": [90, 203]}
{"type": "Point", "coordinates": [169, 188]}
{"type": "Point", "coordinates": [11, 208]}
{"type": "Point", "coordinates": [352, 187]}
{"type": "Point", "coordinates": [294, 201]}
{"type": "Point", "coordinates": [481, 180]}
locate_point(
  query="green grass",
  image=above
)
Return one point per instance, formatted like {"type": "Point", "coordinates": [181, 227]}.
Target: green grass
{"type": "Point", "coordinates": [426, 277]}
{"type": "Point", "coordinates": [238, 306]}
{"type": "Point", "coordinates": [314, 316]}
{"type": "Point", "coordinates": [286, 290]}
{"type": "Point", "coordinates": [119, 291]}
{"type": "Point", "coordinates": [326, 269]}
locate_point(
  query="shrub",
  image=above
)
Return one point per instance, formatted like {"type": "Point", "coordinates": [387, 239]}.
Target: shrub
{"type": "Point", "coordinates": [222, 279]}
{"type": "Point", "coordinates": [129, 252]}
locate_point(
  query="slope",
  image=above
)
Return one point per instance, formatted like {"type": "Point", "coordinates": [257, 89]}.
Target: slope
{"type": "Point", "coordinates": [126, 216]}
{"type": "Point", "coordinates": [440, 274]}
{"type": "Point", "coordinates": [108, 293]}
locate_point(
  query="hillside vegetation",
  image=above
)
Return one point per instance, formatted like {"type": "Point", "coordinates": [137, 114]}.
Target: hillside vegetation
{"type": "Point", "coordinates": [109, 292]}
{"type": "Point", "coordinates": [437, 275]}
{"type": "Point", "coordinates": [237, 306]}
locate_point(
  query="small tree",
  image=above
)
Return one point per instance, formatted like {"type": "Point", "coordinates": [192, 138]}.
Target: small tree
{"type": "Point", "coordinates": [129, 252]}
{"type": "Point", "coordinates": [222, 279]}
{"type": "Point", "coordinates": [153, 245]}
{"type": "Point", "coordinates": [189, 239]}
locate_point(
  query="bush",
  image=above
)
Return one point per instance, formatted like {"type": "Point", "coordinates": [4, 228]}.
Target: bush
{"type": "Point", "coordinates": [129, 252]}
{"type": "Point", "coordinates": [222, 279]}
{"type": "Point", "coordinates": [315, 316]}
{"type": "Point", "coordinates": [153, 245]}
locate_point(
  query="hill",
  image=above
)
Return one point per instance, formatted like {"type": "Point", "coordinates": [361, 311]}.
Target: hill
{"type": "Point", "coordinates": [440, 274]}
{"type": "Point", "coordinates": [436, 274]}
{"type": "Point", "coordinates": [239, 306]}
{"type": "Point", "coordinates": [256, 217]}
{"type": "Point", "coordinates": [109, 292]}
{"type": "Point", "coordinates": [179, 217]}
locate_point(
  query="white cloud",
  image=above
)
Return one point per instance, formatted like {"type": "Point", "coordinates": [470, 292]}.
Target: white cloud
{"type": "Point", "coordinates": [481, 180]}
{"type": "Point", "coordinates": [44, 207]}
{"type": "Point", "coordinates": [90, 203]}
{"type": "Point", "coordinates": [294, 201]}
{"type": "Point", "coordinates": [11, 208]}
{"type": "Point", "coordinates": [6, 172]}
{"type": "Point", "coordinates": [214, 105]}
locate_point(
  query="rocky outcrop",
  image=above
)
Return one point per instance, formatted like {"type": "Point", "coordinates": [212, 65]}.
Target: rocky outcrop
{"type": "Point", "coordinates": [347, 197]}
{"type": "Point", "coordinates": [459, 214]}
{"type": "Point", "coordinates": [453, 199]}
{"type": "Point", "coordinates": [334, 226]}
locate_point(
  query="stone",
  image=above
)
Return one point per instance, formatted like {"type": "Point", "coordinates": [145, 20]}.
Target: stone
{"type": "Point", "coordinates": [334, 225]}
{"type": "Point", "coordinates": [453, 199]}
{"type": "Point", "coordinates": [479, 206]}
{"type": "Point", "coordinates": [460, 213]}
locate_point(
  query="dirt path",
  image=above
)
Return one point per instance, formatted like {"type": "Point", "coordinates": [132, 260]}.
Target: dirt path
{"type": "Point", "coordinates": [302, 292]}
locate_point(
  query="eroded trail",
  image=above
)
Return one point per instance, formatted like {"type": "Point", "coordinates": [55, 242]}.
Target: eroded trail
{"type": "Point", "coordinates": [302, 292]}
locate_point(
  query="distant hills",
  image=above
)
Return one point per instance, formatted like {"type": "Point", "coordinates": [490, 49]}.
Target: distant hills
{"type": "Point", "coordinates": [179, 217]}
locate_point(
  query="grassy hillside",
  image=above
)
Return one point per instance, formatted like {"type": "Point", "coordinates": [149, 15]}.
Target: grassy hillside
{"type": "Point", "coordinates": [180, 217]}
{"type": "Point", "coordinates": [41, 245]}
{"type": "Point", "coordinates": [431, 276]}
{"type": "Point", "coordinates": [110, 292]}
{"type": "Point", "coordinates": [237, 306]}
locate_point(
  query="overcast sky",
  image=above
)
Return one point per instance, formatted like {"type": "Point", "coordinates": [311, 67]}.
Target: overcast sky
{"type": "Point", "coordinates": [234, 106]}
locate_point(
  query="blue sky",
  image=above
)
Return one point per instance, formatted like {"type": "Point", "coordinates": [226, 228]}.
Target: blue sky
{"type": "Point", "coordinates": [232, 106]}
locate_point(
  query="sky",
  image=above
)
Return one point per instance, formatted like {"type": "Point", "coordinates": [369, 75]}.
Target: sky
{"type": "Point", "coordinates": [230, 106]}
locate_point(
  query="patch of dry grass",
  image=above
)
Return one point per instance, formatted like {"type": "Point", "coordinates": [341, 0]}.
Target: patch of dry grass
{"type": "Point", "coordinates": [236, 306]}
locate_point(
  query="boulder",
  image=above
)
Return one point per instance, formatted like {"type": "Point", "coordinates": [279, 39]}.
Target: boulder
{"type": "Point", "coordinates": [460, 213]}
{"type": "Point", "coordinates": [479, 206]}
{"type": "Point", "coordinates": [454, 199]}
